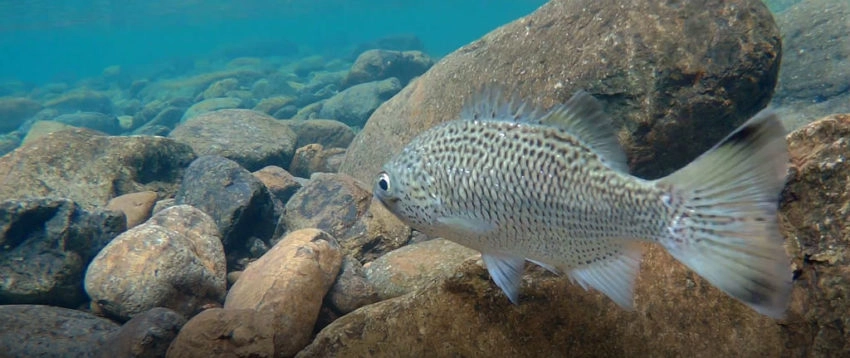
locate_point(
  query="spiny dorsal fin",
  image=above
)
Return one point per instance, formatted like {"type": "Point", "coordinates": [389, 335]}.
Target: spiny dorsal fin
{"type": "Point", "coordinates": [582, 116]}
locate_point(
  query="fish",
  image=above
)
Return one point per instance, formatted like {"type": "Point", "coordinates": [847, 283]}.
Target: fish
{"type": "Point", "coordinates": [552, 187]}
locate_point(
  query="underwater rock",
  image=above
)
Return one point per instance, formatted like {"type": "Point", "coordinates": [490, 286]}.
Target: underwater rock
{"type": "Point", "coordinates": [675, 77]}
{"type": "Point", "coordinates": [90, 168]}
{"type": "Point", "coordinates": [375, 233]}
{"type": "Point", "coordinates": [135, 206]}
{"type": "Point", "coordinates": [281, 184]}
{"type": "Point", "coordinates": [175, 260]}
{"type": "Point", "coordinates": [815, 77]}
{"type": "Point", "coordinates": [15, 111]}
{"type": "Point", "coordinates": [46, 246]}
{"type": "Point", "coordinates": [169, 117]}
{"type": "Point", "coordinates": [313, 158]}
{"type": "Point", "coordinates": [8, 142]}
{"type": "Point", "coordinates": [403, 42]}
{"type": "Point", "coordinates": [330, 202]}
{"type": "Point", "coordinates": [226, 333]}
{"type": "Point", "coordinates": [45, 331]}
{"type": "Point", "coordinates": [273, 104]}
{"type": "Point", "coordinates": [328, 133]}
{"type": "Point", "coordinates": [376, 65]}
{"type": "Point", "coordinates": [92, 120]}
{"type": "Point", "coordinates": [210, 105]}
{"type": "Point", "coordinates": [307, 65]}
{"type": "Point", "coordinates": [42, 128]}
{"type": "Point", "coordinates": [310, 111]}
{"type": "Point", "coordinates": [814, 211]}
{"type": "Point", "coordinates": [238, 202]}
{"type": "Point", "coordinates": [220, 88]}
{"type": "Point", "coordinates": [146, 335]}
{"type": "Point", "coordinates": [354, 105]}
{"type": "Point", "coordinates": [288, 283]}
{"type": "Point", "coordinates": [412, 267]}
{"type": "Point", "coordinates": [81, 101]}
{"type": "Point", "coordinates": [252, 139]}
{"type": "Point", "coordinates": [190, 87]}
{"type": "Point", "coordinates": [351, 290]}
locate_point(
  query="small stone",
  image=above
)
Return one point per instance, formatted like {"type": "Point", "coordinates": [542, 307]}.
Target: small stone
{"type": "Point", "coordinates": [135, 206]}
{"type": "Point", "coordinates": [226, 333]}
{"type": "Point", "coordinates": [147, 335]}
{"type": "Point", "coordinates": [351, 290]}
{"type": "Point", "coordinates": [330, 202]}
{"type": "Point", "coordinates": [281, 184]}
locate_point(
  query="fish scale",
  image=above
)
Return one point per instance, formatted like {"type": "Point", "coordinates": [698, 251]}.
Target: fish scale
{"type": "Point", "coordinates": [551, 187]}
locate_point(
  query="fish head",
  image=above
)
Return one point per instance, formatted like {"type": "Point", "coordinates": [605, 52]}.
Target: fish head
{"type": "Point", "coordinates": [404, 188]}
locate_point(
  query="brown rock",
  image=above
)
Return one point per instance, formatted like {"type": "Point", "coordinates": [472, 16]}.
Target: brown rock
{"type": "Point", "coordinates": [90, 168]}
{"type": "Point", "coordinates": [414, 266]}
{"type": "Point", "coordinates": [288, 283]}
{"type": "Point", "coordinates": [147, 335]}
{"type": "Point", "coordinates": [330, 202]}
{"type": "Point", "coordinates": [328, 133]}
{"type": "Point", "coordinates": [225, 333]}
{"type": "Point", "coordinates": [815, 210]}
{"type": "Point", "coordinates": [281, 184]}
{"type": "Point", "coordinates": [175, 260]}
{"type": "Point", "coordinates": [351, 290]}
{"type": "Point", "coordinates": [135, 206]}
{"type": "Point", "coordinates": [313, 158]}
{"type": "Point", "coordinates": [375, 233]}
{"type": "Point", "coordinates": [676, 77]}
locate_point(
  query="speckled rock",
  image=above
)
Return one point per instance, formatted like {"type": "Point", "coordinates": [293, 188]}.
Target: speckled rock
{"type": "Point", "coordinates": [314, 158]}
{"type": "Point", "coordinates": [376, 65]}
{"type": "Point", "coordinates": [238, 202]}
{"type": "Point", "coordinates": [252, 139]}
{"type": "Point", "coordinates": [135, 206]}
{"type": "Point", "coordinates": [414, 266]}
{"type": "Point", "coordinates": [45, 331]}
{"type": "Point", "coordinates": [225, 333]}
{"type": "Point", "coordinates": [42, 128]}
{"type": "Point", "coordinates": [175, 260]}
{"type": "Point", "coordinates": [210, 105]}
{"type": "Point", "coordinates": [81, 101]}
{"type": "Point", "coordinates": [466, 314]}
{"type": "Point", "coordinates": [375, 233]}
{"type": "Point", "coordinates": [815, 77]}
{"type": "Point", "coordinates": [90, 168]}
{"type": "Point", "coordinates": [288, 283]}
{"type": "Point", "coordinates": [676, 77]}
{"type": "Point", "coordinates": [330, 202]}
{"type": "Point", "coordinates": [281, 184]}
{"type": "Point", "coordinates": [46, 246]}
{"type": "Point", "coordinates": [351, 290]}
{"type": "Point", "coordinates": [328, 133]}
{"type": "Point", "coordinates": [147, 335]}
{"type": "Point", "coordinates": [815, 207]}
{"type": "Point", "coordinates": [105, 123]}
{"type": "Point", "coordinates": [15, 111]}
{"type": "Point", "coordinates": [354, 105]}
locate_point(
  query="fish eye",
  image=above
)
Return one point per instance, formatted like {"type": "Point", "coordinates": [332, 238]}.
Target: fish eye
{"type": "Point", "coordinates": [384, 181]}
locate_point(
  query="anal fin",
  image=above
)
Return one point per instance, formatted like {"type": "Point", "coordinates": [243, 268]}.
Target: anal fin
{"type": "Point", "coordinates": [506, 271]}
{"type": "Point", "coordinates": [615, 276]}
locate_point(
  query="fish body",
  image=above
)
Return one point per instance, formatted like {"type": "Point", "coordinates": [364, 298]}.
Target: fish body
{"type": "Point", "coordinates": [552, 187]}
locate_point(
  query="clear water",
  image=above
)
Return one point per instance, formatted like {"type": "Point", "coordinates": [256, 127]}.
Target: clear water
{"type": "Point", "coordinates": [46, 41]}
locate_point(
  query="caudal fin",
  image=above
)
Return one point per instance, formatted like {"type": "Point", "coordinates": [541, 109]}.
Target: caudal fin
{"type": "Point", "coordinates": [724, 225]}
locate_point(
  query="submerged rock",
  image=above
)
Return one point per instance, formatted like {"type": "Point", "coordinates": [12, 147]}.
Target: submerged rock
{"type": "Point", "coordinates": [210, 105]}
{"type": "Point", "coordinates": [676, 77]}
{"type": "Point", "coordinates": [91, 120]}
{"type": "Point", "coordinates": [147, 335]}
{"type": "Point", "coordinates": [288, 283]}
{"type": "Point", "coordinates": [135, 206]}
{"type": "Point", "coordinates": [314, 158]}
{"type": "Point", "coordinates": [15, 111]}
{"type": "Point", "coordinates": [252, 139]}
{"type": "Point", "coordinates": [45, 246]}
{"type": "Point", "coordinates": [238, 202]}
{"type": "Point", "coordinates": [44, 331]}
{"type": "Point", "coordinates": [226, 333]}
{"type": "Point", "coordinates": [354, 105]}
{"type": "Point", "coordinates": [90, 168]}
{"type": "Point", "coordinates": [376, 65]}
{"type": "Point", "coordinates": [330, 202]}
{"type": "Point", "coordinates": [81, 101]}
{"type": "Point", "coordinates": [328, 133]}
{"type": "Point", "coordinates": [175, 260]}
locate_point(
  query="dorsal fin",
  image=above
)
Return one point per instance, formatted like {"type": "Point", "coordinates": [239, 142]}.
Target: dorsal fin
{"type": "Point", "coordinates": [582, 116]}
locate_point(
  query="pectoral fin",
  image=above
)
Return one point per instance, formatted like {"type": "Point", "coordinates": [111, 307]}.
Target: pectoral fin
{"type": "Point", "coordinates": [506, 271]}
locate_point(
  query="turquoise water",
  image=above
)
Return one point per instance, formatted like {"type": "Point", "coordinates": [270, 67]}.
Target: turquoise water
{"type": "Point", "coordinates": [45, 41]}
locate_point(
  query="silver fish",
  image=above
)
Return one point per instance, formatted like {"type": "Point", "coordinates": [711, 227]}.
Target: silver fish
{"type": "Point", "coordinates": [552, 187]}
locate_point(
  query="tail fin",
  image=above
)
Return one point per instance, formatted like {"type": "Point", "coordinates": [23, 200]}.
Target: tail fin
{"type": "Point", "coordinates": [725, 226]}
